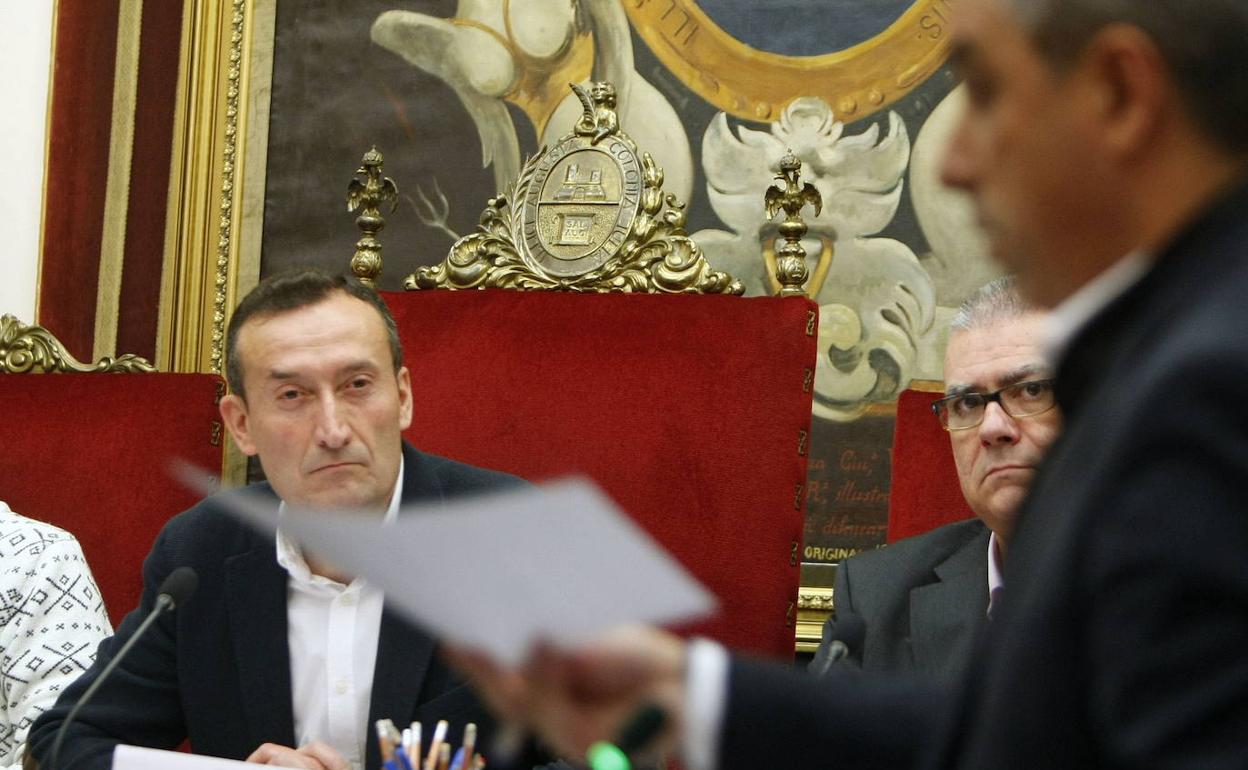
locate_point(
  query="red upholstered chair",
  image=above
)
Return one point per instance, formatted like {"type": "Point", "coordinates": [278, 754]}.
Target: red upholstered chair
{"type": "Point", "coordinates": [89, 452]}
{"type": "Point", "coordinates": [925, 492]}
{"type": "Point", "coordinates": [691, 411]}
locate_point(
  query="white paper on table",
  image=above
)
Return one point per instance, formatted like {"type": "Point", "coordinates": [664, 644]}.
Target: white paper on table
{"type": "Point", "coordinates": [502, 570]}
{"type": "Point", "coordinates": [140, 758]}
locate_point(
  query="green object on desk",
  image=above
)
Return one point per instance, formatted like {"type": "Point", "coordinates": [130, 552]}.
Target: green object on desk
{"type": "Point", "coordinates": [607, 756]}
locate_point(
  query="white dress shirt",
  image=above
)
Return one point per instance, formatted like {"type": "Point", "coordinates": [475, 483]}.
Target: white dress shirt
{"type": "Point", "coordinates": [1074, 313]}
{"type": "Point", "coordinates": [333, 631]}
{"type": "Point", "coordinates": [995, 582]}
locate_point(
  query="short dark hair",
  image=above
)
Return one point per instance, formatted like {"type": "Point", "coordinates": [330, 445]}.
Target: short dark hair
{"type": "Point", "coordinates": [293, 290]}
{"type": "Point", "coordinates": [1202, 42]}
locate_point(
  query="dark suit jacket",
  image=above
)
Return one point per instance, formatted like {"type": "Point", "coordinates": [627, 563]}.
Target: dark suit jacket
{"type": "Point", "coordinates": [1120, 640]}
{"type": "Point", "coordinates": [217, 670]}
{"type": "Point", "coordinates": [922, 599]}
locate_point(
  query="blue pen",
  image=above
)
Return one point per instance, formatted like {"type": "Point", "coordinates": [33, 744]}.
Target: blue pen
{"type": "Point", "coordinates": [458, 762]}
{"type": "Point", "coordinates": [402, 760]}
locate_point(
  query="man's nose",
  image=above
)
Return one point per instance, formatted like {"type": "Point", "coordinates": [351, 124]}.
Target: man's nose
{"type": "Point", "coordinates": [332, 431]}
{"type": "Point", "coordinates": [998, 427]}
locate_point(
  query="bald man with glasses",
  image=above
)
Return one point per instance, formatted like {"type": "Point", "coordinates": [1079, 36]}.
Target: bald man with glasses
{"type": "Point", "coordinates": [922, 600]}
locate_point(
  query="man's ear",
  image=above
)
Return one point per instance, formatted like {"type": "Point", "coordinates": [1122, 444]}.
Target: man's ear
{"type": "Point", "coordinates": [1130, 82]}
{"type": "Point", "coordinates": [404, 378]}
{"type": "Point", "coordinates": [234, 414]}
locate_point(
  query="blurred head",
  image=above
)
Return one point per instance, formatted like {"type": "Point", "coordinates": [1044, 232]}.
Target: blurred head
{"type": "Point", "coordinates": [995, 349]}
{"type": "Point", "coordinates": [320, 394]}
{"type": "Point", "coordinates": [1095, 127]}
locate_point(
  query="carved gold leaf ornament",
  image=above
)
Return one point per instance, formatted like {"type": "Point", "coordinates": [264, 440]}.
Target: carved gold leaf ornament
{"type": "Point", "coordinates": [26, 348]}
{"type": "Point", "coordinates": [587, 215]}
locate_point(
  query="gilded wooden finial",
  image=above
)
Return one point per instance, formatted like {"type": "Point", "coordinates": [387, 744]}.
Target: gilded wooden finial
{"type": "Point", "coordinates": [791, 269]}
{"type": "Point", "coordinates": [368, 194]}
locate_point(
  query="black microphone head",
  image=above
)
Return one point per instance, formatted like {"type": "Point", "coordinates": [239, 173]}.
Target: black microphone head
{"type": "Point", "coordinates": [851, 630]}
{"type": "Point", "coordinates": [644, 725]}
{"type": "Point", "coordinates": [844, 638]}
{"type": "Point", "coordinates": [179, 586]}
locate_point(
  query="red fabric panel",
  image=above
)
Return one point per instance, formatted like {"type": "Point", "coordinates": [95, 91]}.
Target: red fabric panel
{"type": "Point", "coordinates": [685, 409]}
{"type": "Point", "coordinates": [149, 175]}
{"type": "Point", "coordinates": [89, 452]}
{"type": "Point", "coordinates": [82, 113]}
{"type": "Point", "coordinates": [925, 492]}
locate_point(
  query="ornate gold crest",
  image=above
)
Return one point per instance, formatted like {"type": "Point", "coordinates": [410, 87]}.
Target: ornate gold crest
{"type": "Point", "coordinates": [589, 214]}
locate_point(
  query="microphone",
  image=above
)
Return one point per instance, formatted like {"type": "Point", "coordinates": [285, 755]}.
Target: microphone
{"type": "Point", "coordinates": [176, 589]}
{"type": "Point", "coordinates": [642, 728]}
{"type": "Point", "coordinates": [848, 637]}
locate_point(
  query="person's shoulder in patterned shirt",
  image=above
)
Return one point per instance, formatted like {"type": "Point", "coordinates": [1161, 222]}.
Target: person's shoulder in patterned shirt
{"type": "Point", "coordinates": [52, 618]}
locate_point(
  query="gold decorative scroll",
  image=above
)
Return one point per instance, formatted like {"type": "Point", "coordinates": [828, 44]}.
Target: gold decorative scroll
{"type": "Point", "coordinates": [587, 215]}
{"type": "Point", "coordinates": [26, 348]}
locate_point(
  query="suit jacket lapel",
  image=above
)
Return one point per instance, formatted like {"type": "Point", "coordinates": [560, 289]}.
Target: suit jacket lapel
{"type": "Point", "coordinates": [403, 658]}
{"type": "Point", "coordinates": [419, 480]}
{"type": "Point", "coordinates": [403, 653]}
{"type": "Point", "coordinates": [256, 598]}
{"type": "Point", "coordinates": [941, 635]}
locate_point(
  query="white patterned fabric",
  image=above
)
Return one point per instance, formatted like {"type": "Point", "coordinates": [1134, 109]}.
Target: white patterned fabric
{"type": "Point", "coordinates": [52, 619]}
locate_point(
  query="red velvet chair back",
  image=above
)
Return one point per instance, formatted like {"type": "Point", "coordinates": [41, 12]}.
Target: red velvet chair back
{"type": "Point", "coordinates": [691, 411]}
{"type": "Point", "coordinates": [90, 453]}
{"type": "Point", "coordinates": [925, 491]}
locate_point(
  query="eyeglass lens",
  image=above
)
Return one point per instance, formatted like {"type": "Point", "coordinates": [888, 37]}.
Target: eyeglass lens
{"type": "Point", "coordinates": [1022, 399]}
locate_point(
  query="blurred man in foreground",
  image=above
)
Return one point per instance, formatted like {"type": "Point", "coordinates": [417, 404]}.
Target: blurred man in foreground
{"type": "Point", "coordinates": [1105, 143]}
{"type": "Point", "coordinates": [922, 600]}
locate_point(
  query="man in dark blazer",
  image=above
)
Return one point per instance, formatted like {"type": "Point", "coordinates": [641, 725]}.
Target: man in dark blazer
{"type": "Point", "coordinates": [921, 601]}
{"type": "Point", "coordinates": [1106, 146]}
{"type": "Point", "coordinates": [279, 658]}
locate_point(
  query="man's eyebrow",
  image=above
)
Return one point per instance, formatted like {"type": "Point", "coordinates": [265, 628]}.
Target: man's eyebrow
{"type": "Point", "coordinates": [1022, 373]}
{"type": "Point", "coordinates": [960, 52]}
{"type": "Point", "coordinates": [1012, 377]}
{"type": "Point", "coordinates": [363, 365]}
{"type": "Point", "coordinates": [964, 56]}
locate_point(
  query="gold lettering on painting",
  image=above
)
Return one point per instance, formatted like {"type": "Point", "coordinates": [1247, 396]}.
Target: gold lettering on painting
{"type": "Point", "coordinates": [933, 23]}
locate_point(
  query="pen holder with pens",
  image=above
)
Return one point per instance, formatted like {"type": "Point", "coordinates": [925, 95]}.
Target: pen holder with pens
{"type": "Point", "coordinates": [403, 751]}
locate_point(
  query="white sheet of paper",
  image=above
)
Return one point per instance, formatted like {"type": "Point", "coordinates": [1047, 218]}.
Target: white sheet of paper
{"type": "Point", "coordinates": [140, 758]}
{"type": "Point", "coordinates": [500, 571]}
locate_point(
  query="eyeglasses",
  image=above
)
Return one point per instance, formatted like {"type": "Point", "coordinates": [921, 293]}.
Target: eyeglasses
{"type": "Point", "coordinates": [1022, 399]}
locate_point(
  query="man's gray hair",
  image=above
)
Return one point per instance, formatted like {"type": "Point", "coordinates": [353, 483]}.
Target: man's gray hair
{"type": "Point", "coordinates": [998, 300]}
{"type": "Point", "coordinates": [1202, 41]}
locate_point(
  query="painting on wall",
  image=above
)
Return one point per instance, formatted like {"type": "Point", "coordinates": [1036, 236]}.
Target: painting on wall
{"type": "Point", "coordinates": [456, 95]}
